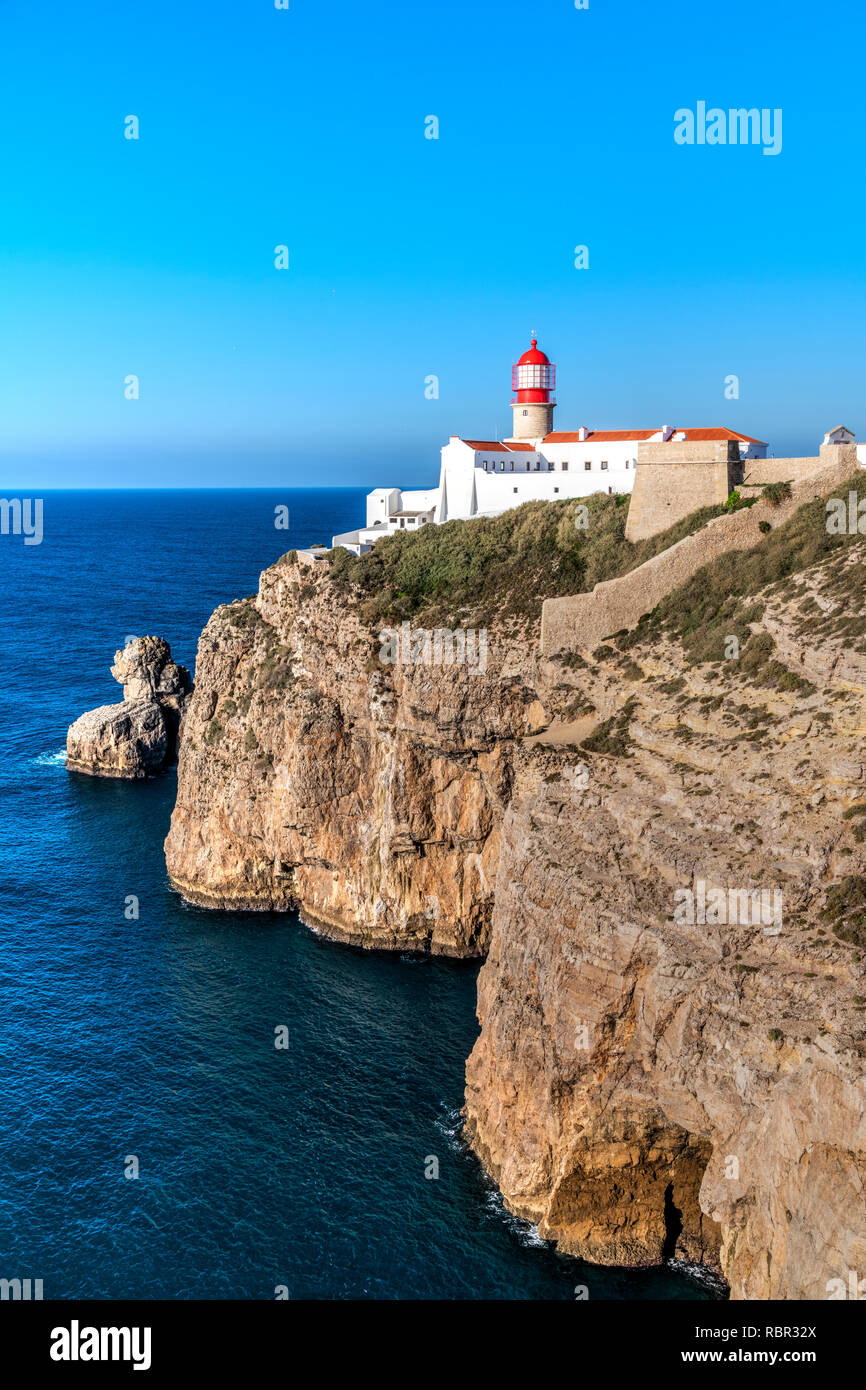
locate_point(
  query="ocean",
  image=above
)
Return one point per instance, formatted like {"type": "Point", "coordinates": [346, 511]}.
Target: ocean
{"type": "Point", "coordinates": [152, 1039]}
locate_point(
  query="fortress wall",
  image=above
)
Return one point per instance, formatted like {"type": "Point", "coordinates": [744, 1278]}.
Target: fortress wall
{"type": "Point", "coordinates": [758, 471]}
{"type": "Point", "coordinates": [663, 493]}
{"type": "Point", "coordinates": [672, 480]}
{"type": "Point", "coordinates": [584, 620]}
{"type": "Point", "coordinates": [782, 470]}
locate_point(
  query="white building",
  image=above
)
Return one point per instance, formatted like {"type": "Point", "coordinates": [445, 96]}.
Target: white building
{"type": "Point", "coordinates": [485, 477]}
{"type": "Point", "coordinates": [389, 510]}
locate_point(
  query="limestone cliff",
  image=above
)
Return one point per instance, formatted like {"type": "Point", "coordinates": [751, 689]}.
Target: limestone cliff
{"type": "Point", "coordinates": [313, 775]}
{"type": "Point", "coordinates": [644, 1085]}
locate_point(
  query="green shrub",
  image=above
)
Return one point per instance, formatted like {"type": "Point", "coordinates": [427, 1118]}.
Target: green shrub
{"type": "Point", "coordinates": [845, 910]}
{"type": "Point", "coordinates": [776, 493]}
{"type": "Point", "coordinates": [612, 736]}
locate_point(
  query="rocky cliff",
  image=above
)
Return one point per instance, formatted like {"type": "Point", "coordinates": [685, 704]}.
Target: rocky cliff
{"type": "Point", "coordinates": [653, 1076]}
{"type": "Point", "coordinates": [660, 843]}
{"type": "Point", "coordinates": [313, 774]}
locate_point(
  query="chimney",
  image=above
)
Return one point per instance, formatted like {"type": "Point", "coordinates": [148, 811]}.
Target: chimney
{"type": "Point", "coordinates": [667, 431]}
{"type": "Point", "coordinates": [582, 433]}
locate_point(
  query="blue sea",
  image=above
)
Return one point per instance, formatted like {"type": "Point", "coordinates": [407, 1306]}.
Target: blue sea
{"type": "Point", "coordinates": [153, 1039]}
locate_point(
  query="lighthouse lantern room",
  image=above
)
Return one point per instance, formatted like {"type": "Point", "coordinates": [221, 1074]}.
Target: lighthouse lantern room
{"type": "Point", "coordinates": [533, 379]}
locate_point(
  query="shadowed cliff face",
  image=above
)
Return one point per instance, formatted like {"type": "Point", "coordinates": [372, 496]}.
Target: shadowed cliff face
{"type": "Point", "coordinates": [366, 794]}
{"type": "Point", "coordinates": [646, 1083]}
{"type": "Point", "coordinates": [646, 1064]}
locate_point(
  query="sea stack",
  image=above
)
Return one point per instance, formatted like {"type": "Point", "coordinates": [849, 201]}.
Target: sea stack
{"type": "Point", "coordinates": [138, 737]}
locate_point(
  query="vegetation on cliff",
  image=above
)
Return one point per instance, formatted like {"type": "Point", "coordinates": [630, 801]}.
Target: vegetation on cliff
{"type": "Point", "coordinates": [501, 566]}
{"type": "Point", "coordinates": [719, 600]}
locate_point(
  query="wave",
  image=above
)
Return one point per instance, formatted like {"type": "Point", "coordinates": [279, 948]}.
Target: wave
{"type": "Point", "coordinates": [50, 759]}
{"type": "Point", "coordinates": [700, 1274]}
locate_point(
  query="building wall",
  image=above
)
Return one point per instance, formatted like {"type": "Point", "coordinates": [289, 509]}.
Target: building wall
{"type": "Point", "coordinates": [381, 503]}
{"type": "Point", "coordinates": [620, 457]}
{"type": "Point", "coordinates": [466, 487]}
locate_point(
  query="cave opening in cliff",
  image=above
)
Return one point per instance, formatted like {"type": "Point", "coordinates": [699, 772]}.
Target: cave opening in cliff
{"type": "Point", "coordinates": [673, 1224]}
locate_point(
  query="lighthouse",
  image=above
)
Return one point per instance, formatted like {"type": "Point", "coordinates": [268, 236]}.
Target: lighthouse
{"type": "Point", "coordinates": [533, 379]}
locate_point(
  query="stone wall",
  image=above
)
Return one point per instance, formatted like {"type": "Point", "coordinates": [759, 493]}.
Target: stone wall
{"type": "Point", "coordinates": [787, 470]}
{"type": "Point", "coordinates": [583, 620]}
{"type": "Point", "coordinates": [672, 480]}
{"type": "Point", "coordinates": [779, 470]}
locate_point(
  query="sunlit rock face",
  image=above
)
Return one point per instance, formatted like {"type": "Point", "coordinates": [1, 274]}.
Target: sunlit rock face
{"type": "Point", "coordinates": [314, 774]}
{"type": "Point", "coordinates": [138, 737]}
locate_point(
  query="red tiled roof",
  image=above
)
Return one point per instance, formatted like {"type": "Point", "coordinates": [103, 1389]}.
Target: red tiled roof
{"type": "Point", "coordinates": [495, 446]}
{"type": "Point", "coordinates": [718, 432]}
{"type": "Point", "coordinates": [597, 436]}
{"type": "Point", "coordinates": [699, 436]}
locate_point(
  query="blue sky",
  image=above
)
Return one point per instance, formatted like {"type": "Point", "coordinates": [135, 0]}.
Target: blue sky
{"type": "Point", "coordinates": [408, 256]}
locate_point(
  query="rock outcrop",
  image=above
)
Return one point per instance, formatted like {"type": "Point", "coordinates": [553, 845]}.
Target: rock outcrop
{"type": "Point", "coordinates": [138, 737]}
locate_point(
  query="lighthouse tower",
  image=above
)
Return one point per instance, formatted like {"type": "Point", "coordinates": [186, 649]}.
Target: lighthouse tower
{"type": "Point", "coordinates": [533, 379]}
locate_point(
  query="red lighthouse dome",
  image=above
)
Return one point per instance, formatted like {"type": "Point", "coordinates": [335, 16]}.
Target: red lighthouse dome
{"type": "Point", "coordinates": [533, 377]}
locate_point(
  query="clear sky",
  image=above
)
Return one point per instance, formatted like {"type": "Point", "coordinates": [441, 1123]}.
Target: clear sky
{"type": "Point", "coordinates": [411, 257]}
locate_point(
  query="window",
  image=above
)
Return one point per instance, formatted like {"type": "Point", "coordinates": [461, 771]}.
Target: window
{"type": "Point", "coordinates": [556, 489]}
{"type": "Point", "coordinates": [550, 468]}
{"type": "Point", "coordinates": [512, 465]}
{"type": "Point", "coordinates": [515, 489]}
{"type": "Point", "coordinates": [538, 465]}
{"type": "Point", "coordinates": [603, 464]}
{"type": "Point", "coordinates": [526, 412]}
{"type": "Point", "coordinates": [565, 465]}
{"type": "Point", "coordinates": [587, 465]}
